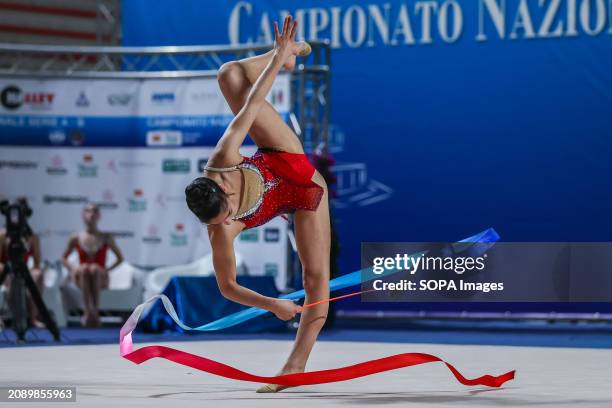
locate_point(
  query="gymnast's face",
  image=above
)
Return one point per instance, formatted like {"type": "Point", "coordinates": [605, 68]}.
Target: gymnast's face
{"type": "Point", "coordinates": [91, 215]}
{"type": "Point", "coordinates": [225, 215]}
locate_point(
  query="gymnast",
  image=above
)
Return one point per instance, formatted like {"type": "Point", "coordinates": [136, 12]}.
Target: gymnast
{"type": "Point", "coordinates": [91, 274]}
{"type": "Point", "coordinates": [236, 193]}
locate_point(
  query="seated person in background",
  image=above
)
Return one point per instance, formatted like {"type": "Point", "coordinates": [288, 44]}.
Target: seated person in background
{"type": "Point", "coordinates": [32, 245]}
{"type": "Point", "coordinates": [91, 275]}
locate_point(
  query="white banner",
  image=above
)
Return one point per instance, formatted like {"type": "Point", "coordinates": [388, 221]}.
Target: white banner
{"type": "Point", "coordinates": [139, 189]}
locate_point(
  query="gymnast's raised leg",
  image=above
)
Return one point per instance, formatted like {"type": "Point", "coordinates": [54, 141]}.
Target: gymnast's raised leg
{"type": "Point", "coordinates": [312, 227]}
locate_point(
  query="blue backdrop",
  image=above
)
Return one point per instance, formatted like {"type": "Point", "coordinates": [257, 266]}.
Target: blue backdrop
{"type": "Point", "coordinates": [473, 115]}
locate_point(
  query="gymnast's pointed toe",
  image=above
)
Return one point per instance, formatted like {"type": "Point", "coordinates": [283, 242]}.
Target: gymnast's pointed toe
{"type": "Point", "coordinates": [268, 388]}
{"type": "Point", "coordinates": [305, 49]}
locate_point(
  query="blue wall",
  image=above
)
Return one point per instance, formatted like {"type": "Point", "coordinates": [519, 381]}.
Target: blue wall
{"type": "Point", "coordinates": [514, 134]}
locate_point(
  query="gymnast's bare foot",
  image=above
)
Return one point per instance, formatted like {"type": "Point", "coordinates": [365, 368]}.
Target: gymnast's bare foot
{"type": "Point", "coordinates": [37, 323]}
{"type": "Point", "coordinates": [267, 388]}
{"type": "Point", "coordinates": [302, 48]}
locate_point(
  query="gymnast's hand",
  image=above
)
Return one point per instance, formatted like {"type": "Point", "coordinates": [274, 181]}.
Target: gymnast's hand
{"type": "Point", "coordinates": [285, 309]}
{"type": "Point", "coordinates": [284, 44]}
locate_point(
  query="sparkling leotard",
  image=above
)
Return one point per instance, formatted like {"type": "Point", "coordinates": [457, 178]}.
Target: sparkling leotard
{"type": "Point", "coordinates": [287, 185]}
{"type": "Point", "coordinates": [98, 258]}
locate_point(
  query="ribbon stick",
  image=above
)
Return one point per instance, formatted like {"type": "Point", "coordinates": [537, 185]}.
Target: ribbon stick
{"type": "Point", "coordinates": [394, 362]}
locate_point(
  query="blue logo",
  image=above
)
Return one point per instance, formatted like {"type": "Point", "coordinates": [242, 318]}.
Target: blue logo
{"type": "Point", "coordinates": [271, 235]}
{"type": "Point", "coordinates": [82, 100]}
{"type": "Point", "coordinates": [163, 97]}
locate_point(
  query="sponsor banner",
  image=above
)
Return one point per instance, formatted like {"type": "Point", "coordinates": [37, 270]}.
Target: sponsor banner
{"type": "Point", "coordinates": [123, 112]}
{"type": "Point", "coordinates": [124, 144]}
{"type": "Point", "coordinates": [141, 195]}
{"type": "Point", "coordinates": [123, 97]}
{"type": "Point", "coordinates": [168, 131]}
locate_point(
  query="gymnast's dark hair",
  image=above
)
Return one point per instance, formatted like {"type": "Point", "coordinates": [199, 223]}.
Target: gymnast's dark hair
{"type": "Point", "coordinates": [205, 198]}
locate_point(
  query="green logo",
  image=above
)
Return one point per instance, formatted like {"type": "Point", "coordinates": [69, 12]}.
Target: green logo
{"type": "Point", "coordinates": [176, 166]}
{"type": "Point", "coordinates": [178, 239]}
{"type": "Point", "coordinates": [250, 235]}
{"type": "Point", "coordinates": [137, 204]}
{"type": "Point", "coordinates": [88, 170]}
{"type": "Point", "coordinates": [271, 269]}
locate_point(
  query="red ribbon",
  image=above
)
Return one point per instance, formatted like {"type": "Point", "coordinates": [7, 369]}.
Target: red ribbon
{"type": "Point", "coordinates": [313, 377]}
{"type": "Point", "coordinates": [308, 378]}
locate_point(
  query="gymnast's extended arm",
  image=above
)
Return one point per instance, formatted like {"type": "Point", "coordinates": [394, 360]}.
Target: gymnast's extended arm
{"type": "Point", "coordinates": [224, 262]}
{"type": "Point", "coordinates": [237, 130]}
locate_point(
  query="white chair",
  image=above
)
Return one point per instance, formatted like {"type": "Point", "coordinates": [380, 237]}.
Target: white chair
{"type": "Point", "coordinates": [52, 294]}
{"type": "Point", "coordinates": [158, 278]}
{"type": "Point", "coordinates": [124, 291]}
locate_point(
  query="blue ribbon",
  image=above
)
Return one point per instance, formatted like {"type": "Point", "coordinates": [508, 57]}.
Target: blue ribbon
{"type": "Point", "coordinates": [474, 245]}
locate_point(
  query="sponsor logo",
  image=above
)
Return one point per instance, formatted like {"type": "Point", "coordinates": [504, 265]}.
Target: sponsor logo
{"type": "Point", "coordinates": [137, 203]}
{"type": "Point", "coordinates": [62, 199]}
{"type": "Point", "coordinates": [271, 269]}
{"type": "Point", "coordinates": [162, 199]}
{"type": "Point", "coordinates": [57, 137]}
{"type": "Point", "coordinates": [48, 233]}
{"type": "Point", "coordinates": [114, 165]}
{"type": "Point", "coordinates": [164, 138]}
{"type": "Point", "coordinates": [88, 168]}
{"type": "Point", "coordinates": [13, 98]}
{"type": "Point", "coordinates": [76, 137]}
{"type": "Point", "coordinates": [57, 166]}
{"type": "Point", "coordinates": [18, 164]}
{"type": "Point", "coordinates": [82, 101]}
{"type": "Point", "coordinates": [204, 96]}
{"type": "Point", "coordinates": [163, 97]}
{"type": "Point", "coordinates": [250, 235]}
{"type": "Point", "coordinates": [108, 200]}
{"type": "Point", "coordinates": [354, 186]}
{"type": "Point", "coordinates": [355, 189]}
{"type": "Point", "coordinates": [271, 235]}
{"type": "Point", "coordinates": [152, 236]}
{"type": "Point", "coordinates": [178, 237]}
{"type": "Point", "coordinates": [176, 166]}
{"type": "Point", "coordinates": [122, 234]}
{"type": "Point", "coordinates": [120, 99]}
{"type": "Point", "coordinates": [277, 96]}
{"type": "Point", "coordinates": [202, 164]}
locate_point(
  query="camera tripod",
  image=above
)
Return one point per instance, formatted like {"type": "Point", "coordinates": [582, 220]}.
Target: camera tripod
{"type": "Point", "coordinates": [22, 281]}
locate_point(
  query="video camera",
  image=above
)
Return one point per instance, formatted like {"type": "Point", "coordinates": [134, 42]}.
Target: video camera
{"type": "Point", "coordinates": [17, 227]}
{"type": "Point", "coordinates": [18, 232]}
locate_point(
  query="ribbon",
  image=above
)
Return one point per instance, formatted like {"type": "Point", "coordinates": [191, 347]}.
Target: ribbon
{"type": "Point", "coordinates": [397, 361]}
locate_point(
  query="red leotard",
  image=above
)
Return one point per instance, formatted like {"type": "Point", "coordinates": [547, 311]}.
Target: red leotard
{"type": "Point", "coordinates": [287, 185]}
{"type": "Point", "coordinates": [26, 256]}
{"type": "Point", "coordinates": [98, 258]}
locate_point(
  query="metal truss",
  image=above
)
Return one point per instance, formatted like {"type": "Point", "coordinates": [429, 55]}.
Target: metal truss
{"type": "Point", "coordinates": [108, 15]}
